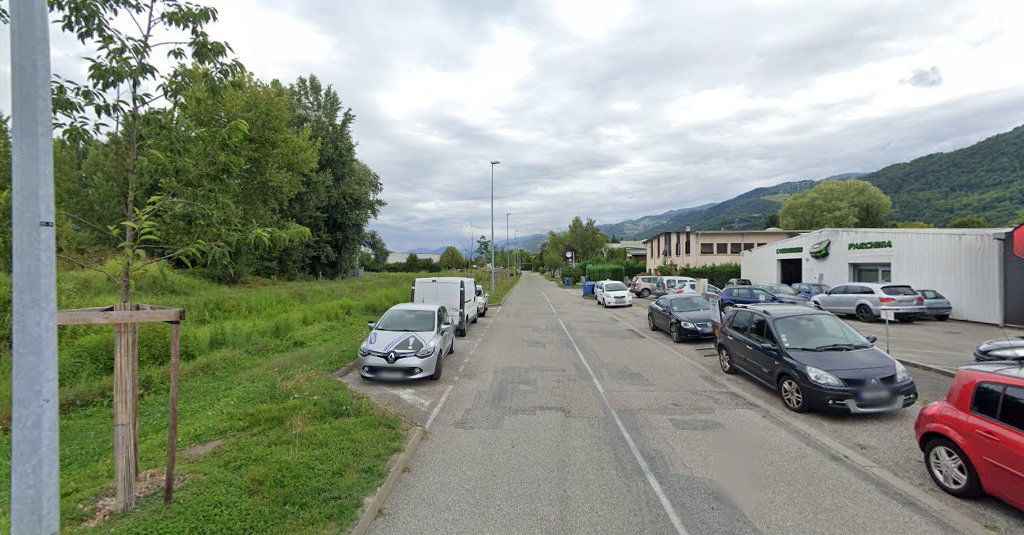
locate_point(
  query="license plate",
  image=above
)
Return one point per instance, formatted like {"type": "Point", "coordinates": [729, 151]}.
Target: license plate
{"type": "Point", "coordinates": [391, 375]}
{"type": "Point", "coordinates": [874, 395]}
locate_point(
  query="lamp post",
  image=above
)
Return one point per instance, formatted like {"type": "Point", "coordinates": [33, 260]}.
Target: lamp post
{"type": "Point", "coordinates": [508, 265]}
{"type": "Point", "coordinates": [515, 238]}
{"type": "Point", "coordinates": [493, 163]}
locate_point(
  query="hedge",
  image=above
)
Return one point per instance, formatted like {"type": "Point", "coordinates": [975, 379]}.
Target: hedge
{"type": "Point", "coordinates": [602, 272]}
{"type": "Point", "coordinates": [573, 272]}
{"type": "Point", "coordinates": [718, 274]}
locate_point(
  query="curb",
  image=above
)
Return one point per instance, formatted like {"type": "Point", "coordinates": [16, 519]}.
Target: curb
{"type": "Point", "coordinates": [928, 367]}
{"type": "Point", "coordinates": [373, 505]}
{"type": "Point", "coordinates": [344, 371]}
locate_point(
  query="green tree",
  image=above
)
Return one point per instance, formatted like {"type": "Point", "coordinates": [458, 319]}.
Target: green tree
{"type": "Point", "coordinates": [483, 250]}
{"type": "Point", "coordinates": [838, 204]}
{"type": "Point", "coordinates": [375, 243]}
{"type": "Point", "coordinates": [970, 221]}
{"type": "Point", "coordinates": [451, 258]}
{"type": "Point", "coordinates": [123, 83]}
{"type": "Point", "coordinates": [412, 263]}
{"type": "Point", "coordinates": [772, 221]}
{"type": "Point", "coordinates": [913, 224]}
{"type": "Point", "coordinates": [585, 238]}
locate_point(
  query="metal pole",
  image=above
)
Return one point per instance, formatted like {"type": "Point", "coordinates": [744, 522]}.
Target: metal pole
{"type": "Point", "coordinates": [493, 163]}
{"type": "Point", "coordinates": [508, 265]}
{"type": "Point", "coordinates": [35, 475]}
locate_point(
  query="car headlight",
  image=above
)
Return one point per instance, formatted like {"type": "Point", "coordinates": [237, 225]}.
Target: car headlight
{"type": "Point", "coordinates": [687, 325]}
{"type": "Point", "coordinates": [901, 372]}
{"type": "Point", "coordinates": [822, 377]}
{"type": "Point", "coordinates": [1008, 352]}
{"type": "Point", "coordinates": [364, 351]}
{"type": "Point", "coordinates": [426, 350]}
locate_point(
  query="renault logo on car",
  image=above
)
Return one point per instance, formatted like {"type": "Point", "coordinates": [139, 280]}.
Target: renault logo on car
{"type": "Point", "coordinates": [392, 357]}
{"type": "Point", "coordinates": [874, 381]}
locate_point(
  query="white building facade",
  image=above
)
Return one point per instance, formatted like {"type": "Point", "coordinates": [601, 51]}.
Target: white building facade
{"type": "Point", "coordinates": [965, 265]}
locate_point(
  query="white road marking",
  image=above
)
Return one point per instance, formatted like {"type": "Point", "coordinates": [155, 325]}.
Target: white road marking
{"type": "Point", "coordinates": [410, 396]}
{"type": "Point", "coordinates": [644, 467]}
{"type": "Point", "coordinates": [437, 409]}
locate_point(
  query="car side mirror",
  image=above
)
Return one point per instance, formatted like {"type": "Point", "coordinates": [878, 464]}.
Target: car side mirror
{"type": "Point", "coordinates": [447, 324]}
{"type": "Point", "coordinates": [371, 325]}
{"type": "Point", "coordinates": [769, 348]}
{"type": "Point", "coordinates": [872, 339]}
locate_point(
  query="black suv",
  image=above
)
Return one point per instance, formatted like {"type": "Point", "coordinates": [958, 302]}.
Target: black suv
{"type": "Point", "coordinates": [813, 359]}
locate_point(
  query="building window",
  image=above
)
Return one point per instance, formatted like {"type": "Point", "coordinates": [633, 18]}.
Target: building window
{"type": "Point", "coordinates": [668, 244]}
{"type": "Point", "coordinates": [761, 244]}
{"type": "Point", "coordinates": [687, 244]}
{"type": "Point", "coordinates": [723, 248]}
{"type": "Point", "coordinates": [707, 248]}
{"type": "Point", "coordinates": [735, 248]}
{"type": "Point", "coordinates": [871, 272]}
{"type": "Point", "coordinates": [677, 244]}
{"type": "Point", "coordinates": [748, 246]}
{"type": "Point", "coordinates": [659, 246]}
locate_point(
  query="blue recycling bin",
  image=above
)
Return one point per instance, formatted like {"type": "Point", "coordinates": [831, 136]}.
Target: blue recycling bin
{"type": "Point", "coordinates": [588, 288]}
{"type": "Point", "coordinates": [567, 281]}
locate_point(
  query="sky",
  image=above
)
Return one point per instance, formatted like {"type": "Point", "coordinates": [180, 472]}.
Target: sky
{"type": "Point", "coordinates": [618, 109]}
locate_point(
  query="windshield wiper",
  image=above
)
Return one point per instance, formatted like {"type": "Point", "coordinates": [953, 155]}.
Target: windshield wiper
{"type": "Point", "coordinates": [846, 347]}
{"type": "Point", "coordinates": [803, 349]}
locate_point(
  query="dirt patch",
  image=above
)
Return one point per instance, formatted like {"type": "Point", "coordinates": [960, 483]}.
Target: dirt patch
{"type": "Point", "coordinates": [149, 482]}
{"type": "Point", "coordinates": [202, 449]}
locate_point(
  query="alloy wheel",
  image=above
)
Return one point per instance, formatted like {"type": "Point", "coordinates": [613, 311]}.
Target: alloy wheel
{"type": "Point", "coordinates": [792, 396]}
{"type": "Point", "coordinates": [650, 322]}
{"type": "Point", "coordinates": [947, 467]}
{"type": "Point", "coordinates": [725, 360]}
{"type": "Point", "coordinates": [864, 314]}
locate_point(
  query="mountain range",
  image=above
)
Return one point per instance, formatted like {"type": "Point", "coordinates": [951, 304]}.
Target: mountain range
{"type": "Point", "coordinates": [985, 180]}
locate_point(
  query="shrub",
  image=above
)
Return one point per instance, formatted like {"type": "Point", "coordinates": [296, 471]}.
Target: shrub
{"type": "Point", "coordinates": [606, 272]}
{"type": "Point", "coordinates": [717, 274]}
{"type": "Point", "coordinates": [632, 268]}
{"type": "Point", "coordinates": [573, 272]}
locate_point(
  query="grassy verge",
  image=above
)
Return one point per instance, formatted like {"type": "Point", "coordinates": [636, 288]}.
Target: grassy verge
{"type": "Point", "coordinates": [300, 450]}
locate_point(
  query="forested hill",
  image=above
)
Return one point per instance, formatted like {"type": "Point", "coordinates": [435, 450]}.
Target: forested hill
{"type": "Point", "coordinates": [985, 179]}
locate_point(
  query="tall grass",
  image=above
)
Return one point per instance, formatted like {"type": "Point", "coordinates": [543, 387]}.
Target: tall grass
{"type": "Point", "coordinates": [301, 451]}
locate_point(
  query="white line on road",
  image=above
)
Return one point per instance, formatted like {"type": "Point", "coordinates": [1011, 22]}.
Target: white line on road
{"type": "Point", "coordinates": [644, 467]}
{"type": "Point", "coordinates": [437, 409]}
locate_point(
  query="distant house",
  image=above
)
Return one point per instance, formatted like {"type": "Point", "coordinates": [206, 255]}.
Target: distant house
{"type": "Point", "coordinates": [635, 250]}
{"type": "Point", "coordinates": [398, 258]}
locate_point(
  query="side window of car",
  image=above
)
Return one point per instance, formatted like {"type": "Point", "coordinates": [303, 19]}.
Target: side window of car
{"type": "Point", "coordinates": [662, 303]}
{"type": "Point", "coordinates": [742, 292]}
{"type": "Point", "coordinates": [986, 399]}
{"type": "Point", "coordinates": [762, 295]}
{"type": "Point", "coordinates": [741, 321]}
{"type": "Point", "coordinates": [1011, 412]}
{"type": "Point", "coordinates": [671, 283]}
{"type": "Point", "coordinates": [759, 330]}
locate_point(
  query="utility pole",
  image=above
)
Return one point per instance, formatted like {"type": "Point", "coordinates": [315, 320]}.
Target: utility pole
{"type": "Point", "coordinates": [508, 266]}
{"type": "Point", "coordinates": [35, 473]}
{"type": "Point", "coordinates": [493, 163]}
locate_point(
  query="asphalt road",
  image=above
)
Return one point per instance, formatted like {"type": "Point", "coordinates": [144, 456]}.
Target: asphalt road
{"type": "Point", "coordinates": [558, 416]}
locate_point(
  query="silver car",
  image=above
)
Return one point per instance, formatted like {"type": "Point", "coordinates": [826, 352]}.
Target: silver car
{"type": "Point", "coordinates": [481, 301]}
{"type": "Point", "coordinates": [866, 299]}
{"type": "Point", "coordinates": [936, 304]}
{"type": "Point", "coordinates": [409, 342]}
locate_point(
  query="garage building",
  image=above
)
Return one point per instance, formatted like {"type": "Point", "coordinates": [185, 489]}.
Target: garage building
{"type": "Point", "coordinates": [979, 270]}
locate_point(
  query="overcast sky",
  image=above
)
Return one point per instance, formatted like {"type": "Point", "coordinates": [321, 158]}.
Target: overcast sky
{"type": "Point", "coordinates": [618, 109]}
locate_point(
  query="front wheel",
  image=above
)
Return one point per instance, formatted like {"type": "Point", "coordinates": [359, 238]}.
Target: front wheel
{"type": "Point", "coordinates": [791, 394]}
{"type": "Point", "coordinates": [437, 369]}
{"type": "Point", "coordinates": [650, 322]}
{"type": "Point", "coordinates": [451, 348]}
{"type": "Point", "coordinates": [645, 293]}
{"type": "Point", "coordinates": [950, 468]}
{"type": "Point", "coordinates": [725, 360]}
{"type": "Point", "coordinates": [864, 314]}
{"type": "Point", "coordinates": [677, 335]}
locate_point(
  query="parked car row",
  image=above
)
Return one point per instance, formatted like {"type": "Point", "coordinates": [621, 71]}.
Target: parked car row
{"type": "Point", "coordinates": [657, 286]}
{"type": "Point", "coordinates": [411, 340]}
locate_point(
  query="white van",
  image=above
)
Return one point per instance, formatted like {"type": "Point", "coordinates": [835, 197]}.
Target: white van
{"type": "Point", "coordinates": [457, 294]}
{"type": "Point", "coordinates": [674, 285]}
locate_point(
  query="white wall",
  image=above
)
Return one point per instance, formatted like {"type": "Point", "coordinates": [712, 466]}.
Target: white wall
{"type": "Point", "coordinates": [962, 264]}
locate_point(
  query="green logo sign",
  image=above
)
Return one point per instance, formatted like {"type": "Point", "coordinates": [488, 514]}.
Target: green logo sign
{"type": "Point", "coordinates": [887, 244]}
{"type": "Point", "coordinates": [820, 249]}
{"type": "Point", "coordinates": [789, 250]}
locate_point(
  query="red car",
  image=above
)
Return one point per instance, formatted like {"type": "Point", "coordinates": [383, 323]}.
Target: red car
{"type": "Point", "coordinates": [973, 441]}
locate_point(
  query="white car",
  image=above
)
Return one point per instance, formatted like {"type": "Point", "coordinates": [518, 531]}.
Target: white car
{"type": "Point", "coordinates": [612, 294]}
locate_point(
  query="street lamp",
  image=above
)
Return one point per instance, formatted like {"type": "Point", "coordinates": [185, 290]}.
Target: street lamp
{"type": "Point", "coordinates": [508, 266]}
{"type": "Point", "coordinates": [493, 163]}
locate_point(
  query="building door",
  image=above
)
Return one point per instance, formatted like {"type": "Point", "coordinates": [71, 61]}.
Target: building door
{"type": "Point", "coordinates": [872, 272]}
{"type": "Point", "coordinates": [791, 270]}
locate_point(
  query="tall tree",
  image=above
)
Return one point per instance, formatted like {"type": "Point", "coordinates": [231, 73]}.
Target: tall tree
{"type": "Point", "coordinates": [970, 221]}
{"type": "Point", "coordinates": [451, 258]}
{"type": "Point", "coordinates": [375, 243]}
{"type": "Point", "coordinates": [836, 203]}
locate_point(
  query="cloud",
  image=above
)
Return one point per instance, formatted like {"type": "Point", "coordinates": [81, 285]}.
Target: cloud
{"type": "Point", "coordinates": [930, 77]}
{"type": "Point", "coordinates": [614, 110]}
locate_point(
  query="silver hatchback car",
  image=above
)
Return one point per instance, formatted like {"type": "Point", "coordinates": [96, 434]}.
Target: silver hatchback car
{"type": "Point", "coordinates": [409, 342]}
{"type": "Point", "coordinates": [866, 300]}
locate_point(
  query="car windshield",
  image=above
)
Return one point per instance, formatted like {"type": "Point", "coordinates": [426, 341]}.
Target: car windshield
{"type": "Point", "coordinates": [690, 304]}
{"type": "Point", "coordinates": [780, 289]}
{"type": "Point", "coordinates": [818, 332]}
{"type": "Point", "coordinates": [614, 287]}
{"type": "Point", "coordinates": [898, 290]}
{"type": "Point", "coordinates": [407, 320]}
{"type": "Point", "coordinates": [931, 294]}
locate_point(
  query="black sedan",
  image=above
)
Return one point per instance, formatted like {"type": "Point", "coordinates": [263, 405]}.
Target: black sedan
{"type": "Point", "coordinates": [813, 359]}
{"type": "Point", "coordinates": [684, 316]}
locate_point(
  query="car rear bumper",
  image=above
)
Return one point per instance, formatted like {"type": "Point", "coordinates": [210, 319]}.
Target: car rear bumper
{"type": "Point", "coordinates": [939, 311]}
{"type": "Point", "coordinates": [849, 400]}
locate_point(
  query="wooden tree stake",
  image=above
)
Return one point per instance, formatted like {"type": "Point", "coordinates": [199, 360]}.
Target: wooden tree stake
{"type": "Point", "coordinates": [172, 420]}
{"type": "Point", "coordinates": [124, 421]}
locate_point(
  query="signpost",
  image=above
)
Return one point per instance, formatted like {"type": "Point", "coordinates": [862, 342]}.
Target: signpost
{"type": "Point", "coordinates": [888, 314]}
